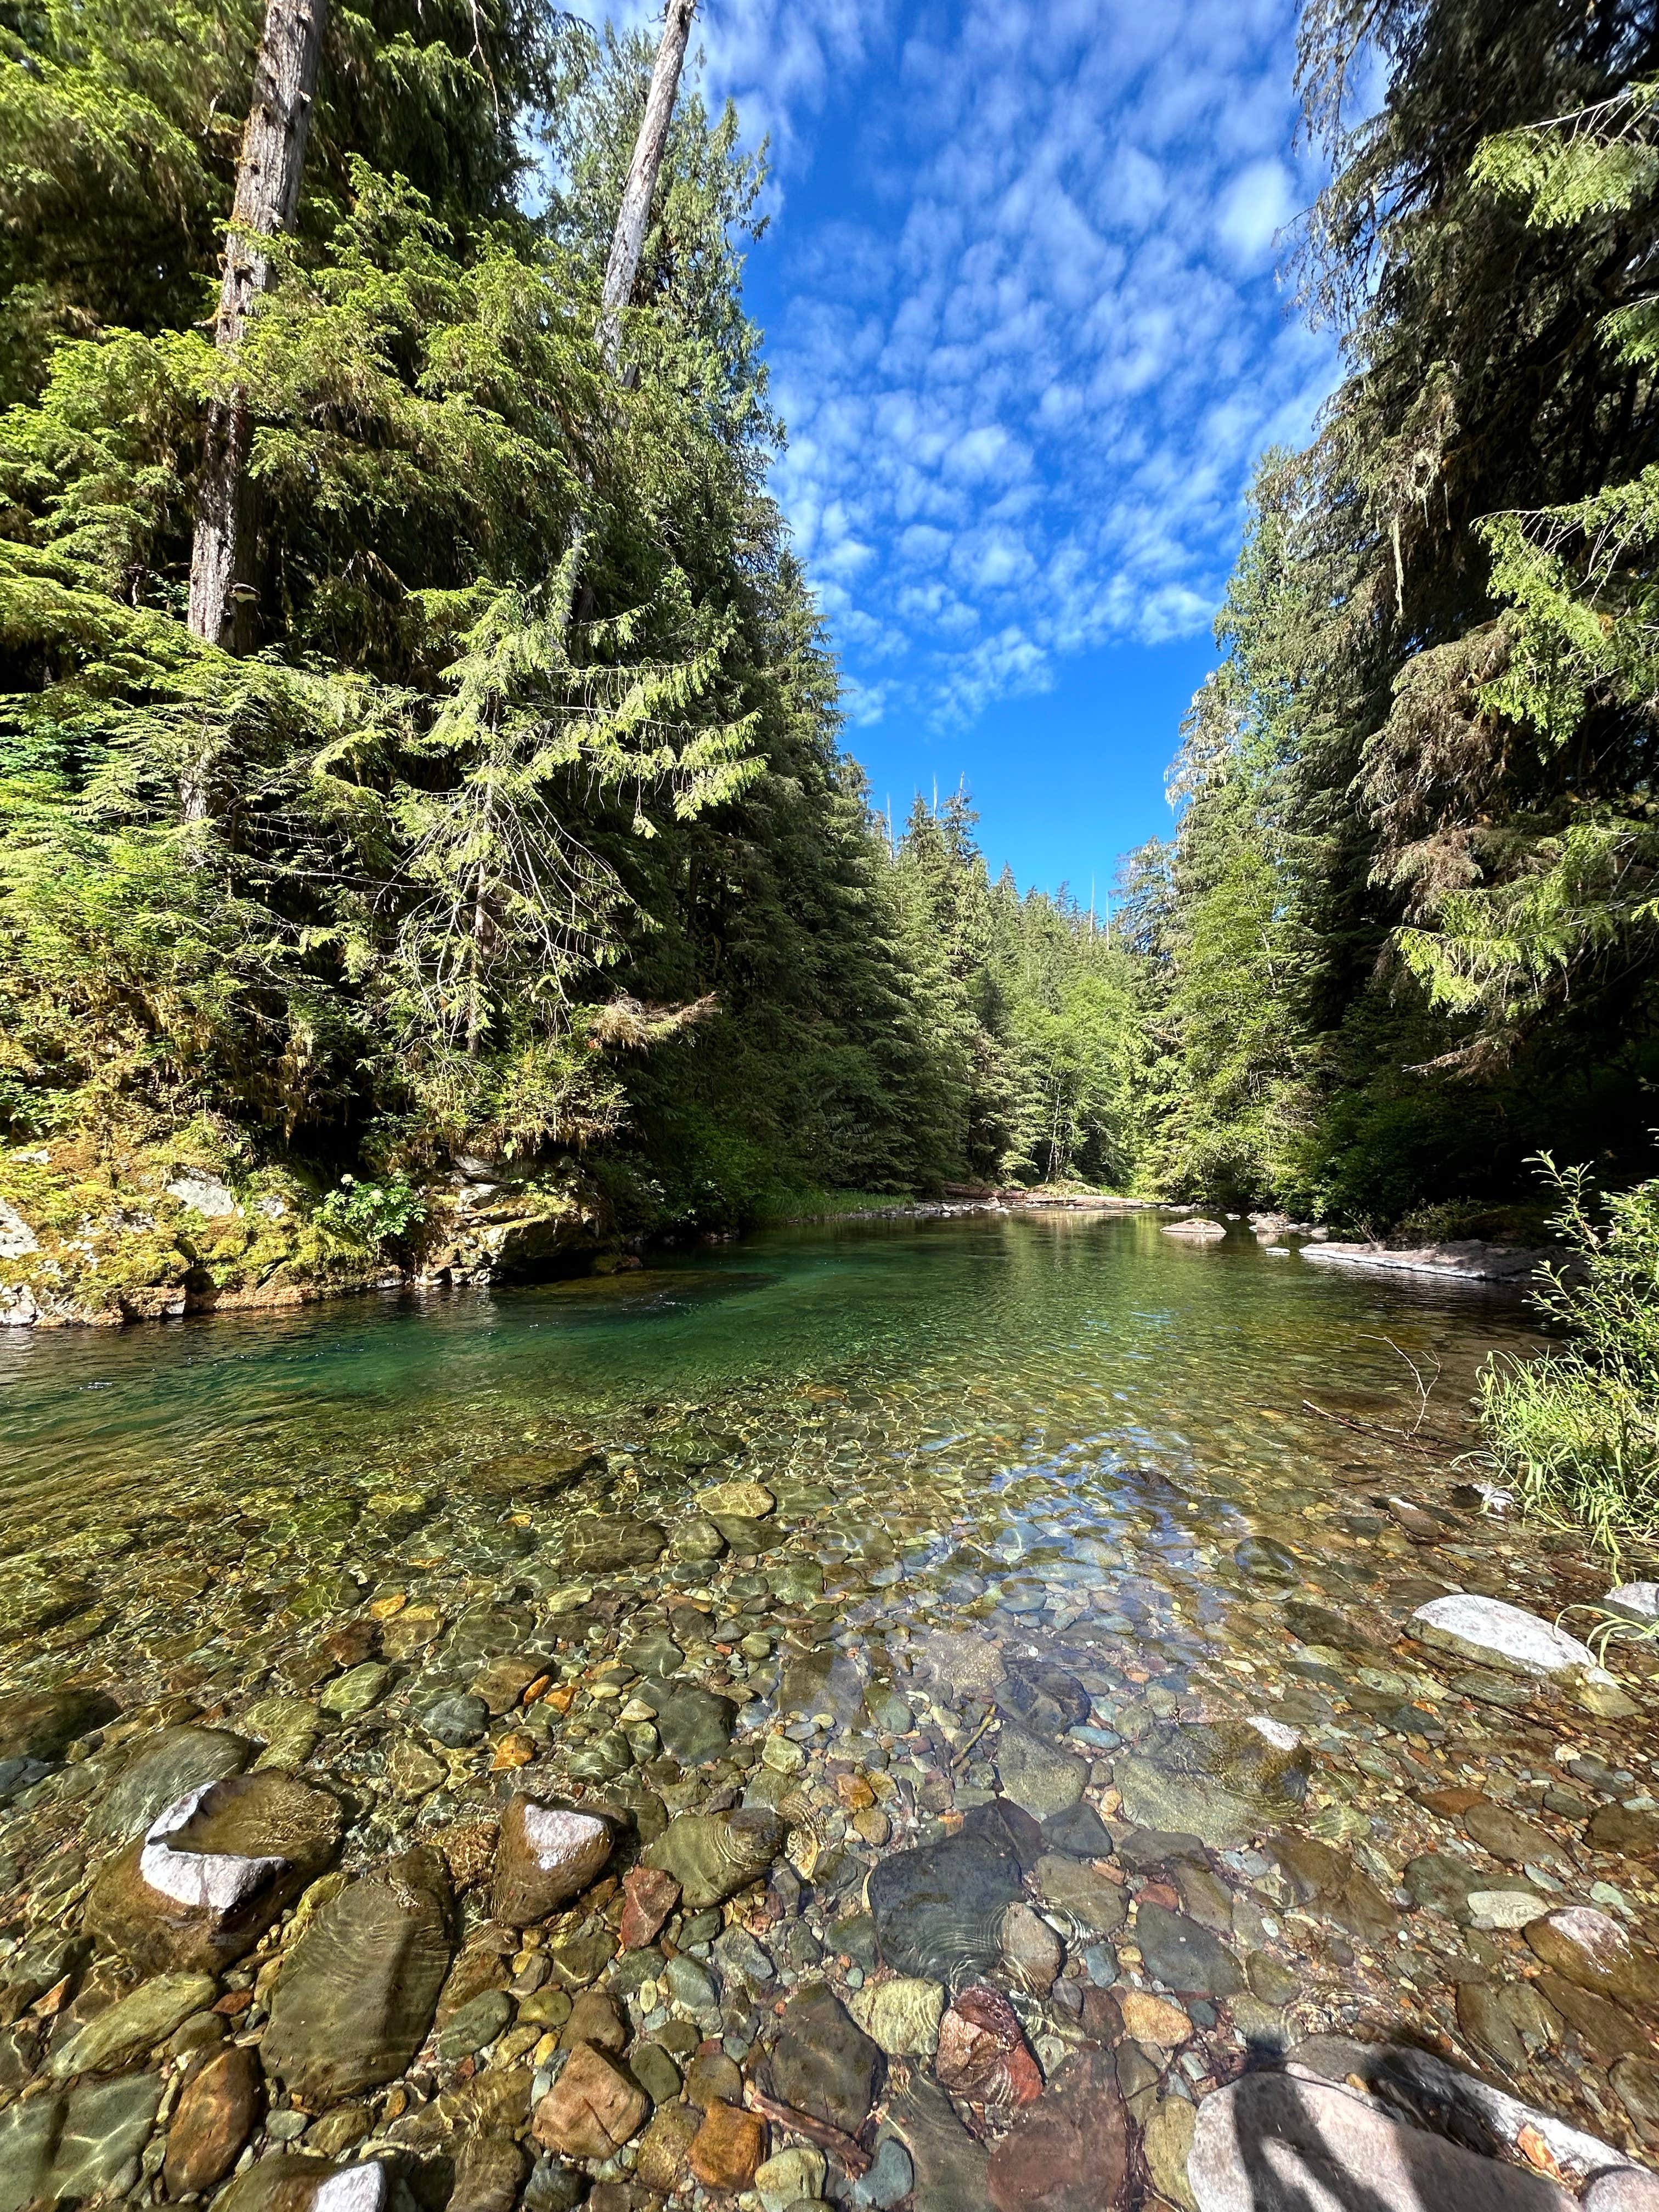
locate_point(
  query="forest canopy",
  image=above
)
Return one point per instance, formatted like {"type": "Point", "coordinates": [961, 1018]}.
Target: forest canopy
{"type": "Point", "coordinates": [511, 816]}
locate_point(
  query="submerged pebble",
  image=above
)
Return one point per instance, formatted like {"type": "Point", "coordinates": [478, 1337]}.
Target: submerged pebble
{"type": "Point", "coordinates": [980, 1750]}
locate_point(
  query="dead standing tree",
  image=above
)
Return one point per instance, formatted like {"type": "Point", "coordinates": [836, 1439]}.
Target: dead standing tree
{"type": "Point", "coordinates": [222, 589]}
{"type": "Point", "coordinates": [627, 240]}
{"type": "Point", "coordinates": [223, 586]}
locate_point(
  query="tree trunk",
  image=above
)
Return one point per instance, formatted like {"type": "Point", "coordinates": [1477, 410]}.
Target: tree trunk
{"type": "Point", "coordinates": [222, 593]}
{"type": "Point", "coordinates": [627, 240]}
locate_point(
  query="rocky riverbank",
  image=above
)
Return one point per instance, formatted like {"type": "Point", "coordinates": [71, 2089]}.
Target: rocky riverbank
{"type": "Point", "coordinates": [91, 1239]}
{"type": "Point", "coordinates": [601, 1828]}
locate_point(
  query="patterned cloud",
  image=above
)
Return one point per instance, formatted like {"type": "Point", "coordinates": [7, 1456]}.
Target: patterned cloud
{"type": "Point", "coordinates": [1024, 326]}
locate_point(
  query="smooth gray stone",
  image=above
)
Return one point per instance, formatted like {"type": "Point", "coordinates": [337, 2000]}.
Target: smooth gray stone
{"type": "Point", "coordinates": [77, 2145]}
{"type": "Point", "coordinates": [824, 2063]}
{"type": "Point", "coordinates": [1184, 1956]}
{"type": "Point", "coordinates": [1041, 1781]}
{"type": "Point", "coordinates": [356, 1998]}
{"type": "Point", "coordinates": [1272, 2142]}
{"type": "Point", "coordinates": [939, 1911]}
{"type": "Point", "coordinates": [695, 1725]}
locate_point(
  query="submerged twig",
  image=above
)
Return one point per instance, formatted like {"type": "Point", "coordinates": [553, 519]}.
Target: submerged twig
{"type": "Point", "coordinates": [856, 2162]}
{"type": "Point", "coordinates": [1367, 1428]}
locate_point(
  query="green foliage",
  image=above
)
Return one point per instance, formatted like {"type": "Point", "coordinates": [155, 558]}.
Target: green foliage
{"type": "Point", "coordinates": [1407, 927]}
{"type": "Point", "coordinates": [527, 827]}
{"type": "Point", "coordinates": [1577, 1431]}
{"type": "Point", "coordinates": [370, 1214]}
{"type": "Point", "coordinates": [1028, 1018]}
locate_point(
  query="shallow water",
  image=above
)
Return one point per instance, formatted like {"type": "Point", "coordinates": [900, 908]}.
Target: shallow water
{"type": "Point", "coordinates": [1069, 1439]}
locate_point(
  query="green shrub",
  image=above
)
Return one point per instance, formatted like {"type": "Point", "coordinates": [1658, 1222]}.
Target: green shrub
{"type": "Point", "coordinates": [370, 1215]}
{"type": "Point", "coordinates": [1577, 1429]}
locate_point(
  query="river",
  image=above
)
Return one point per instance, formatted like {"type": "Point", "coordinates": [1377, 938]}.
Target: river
{"type": "Point", "coordinates": [1023, 1526]}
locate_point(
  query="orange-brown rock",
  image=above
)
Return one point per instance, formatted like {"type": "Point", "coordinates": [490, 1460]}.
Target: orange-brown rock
{"type": "Point", "coordinates": [597, 2019]}
{"type": "Point", "coordinates": [593, 2109]}
{"type": "Point", "coordinates": [212, 2121]}
{"type": "Point", "coordinates": [650, 1896]}
{"type": "Point", "coordinates": [547, 1854]}
{"type": "Point", "coordinates": [727, 2148]}
{"type": "Point", "coordinates": [983, 2056]}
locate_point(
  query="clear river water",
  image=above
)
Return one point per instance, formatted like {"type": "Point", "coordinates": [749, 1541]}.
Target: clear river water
{"type": "Point", "coordinates": [1019, 1526]}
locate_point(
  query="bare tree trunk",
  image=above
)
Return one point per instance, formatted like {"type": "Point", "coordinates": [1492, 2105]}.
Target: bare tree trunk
{"type": "Point", "coordinates": [627, 240]}
{"type": "Point", "coordinates": [221, 584]}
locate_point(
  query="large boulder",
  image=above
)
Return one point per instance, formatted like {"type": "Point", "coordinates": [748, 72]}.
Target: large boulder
{"type": "Point", "coordinates": [546, 1854]}
{"type": "Point", "coordinates": [1274, 2142]}
{"type": "Point", "coordinates": [1223, 1781]}
{"type": "Point", "coordinates": [357, 1997]}
{"type": "Point", "coordinates": [939, 1911]}
{"type": "Point", "coordinates": [713, 1856]}
{"type": "Point", "coordinates": [1515, 1642]}
{"type": "Point", "coordinates": [213, 1870]}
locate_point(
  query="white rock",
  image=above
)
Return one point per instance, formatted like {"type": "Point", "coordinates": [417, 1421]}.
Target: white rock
{"type": "Point", "coordinates": [1503, 1635]}
{"type": "Point", "coordinates": [1627, 2189]}
{"type": "Point", "coordinates": [1274, 2142]}
{"type": "Point", "coordinates": [1637, 1602]}
{"type": "Point", "coordinates": [1281, 1737]}
{"type": "Point", "coordinates": [17, 1239]}
{"type": "Point", "coordinates": [1196, 1232]}
{"type": "Point", "coordinates": [207, 1881]}
{"type": "Point", "coordinates": [1505, 1908]}
{"type": "Point", "coordinates": [19, 1307]}
{"type": "Point", "coordinates": [355, 2189]}
{"type": "Point", "coordinates": [211, 1198]}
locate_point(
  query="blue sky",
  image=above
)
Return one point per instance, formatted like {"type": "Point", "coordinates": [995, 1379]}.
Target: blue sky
{"type": "Point", "coordinates": [1024, 330]}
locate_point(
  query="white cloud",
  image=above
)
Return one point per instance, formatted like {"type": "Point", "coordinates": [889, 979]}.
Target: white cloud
{"type": "Point", "coordinates": [1255, 204]}
{"type": "Point", "coordinates": [1031, 342]}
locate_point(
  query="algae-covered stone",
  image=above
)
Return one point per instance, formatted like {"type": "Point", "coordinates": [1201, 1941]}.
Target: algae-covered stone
{"type": "Point", "coordinates": [356, 1998]}
{"type": "Point", "coordinates": [1222, 1781]}
{"type": "Point", "coordinates": [65, 2148]}
{"type": "Point", "coordinates": [1592, 1949]}
{"type": "Point", "coordinates": [302, 2182]}
{"type": "Point", "coordinates": [1080, 1892]}
{"type": "Point", "coordinates": [213, 1870]}
{"type": "Point", "coordinates": [712, 1856]}
{"type": "Point", "coordinates": [599, 1543]}
{"type": "Point", "coordinates": [901, 2014]}
{"type": "Point", "coordinates": [1039, 1779]}
{"type": "Point", "coordinates": [133, 2025]}
{"type": "Point", "coordinates": [162, 1768]}
{"type": "Point", "coordinates": [43, 1723]}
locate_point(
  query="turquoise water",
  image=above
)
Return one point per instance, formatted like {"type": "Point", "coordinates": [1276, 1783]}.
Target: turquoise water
{"type": "Point", "coordinates": [1053, 1334]}
{"type": "Point", "coordinates": [1061, 1442]}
